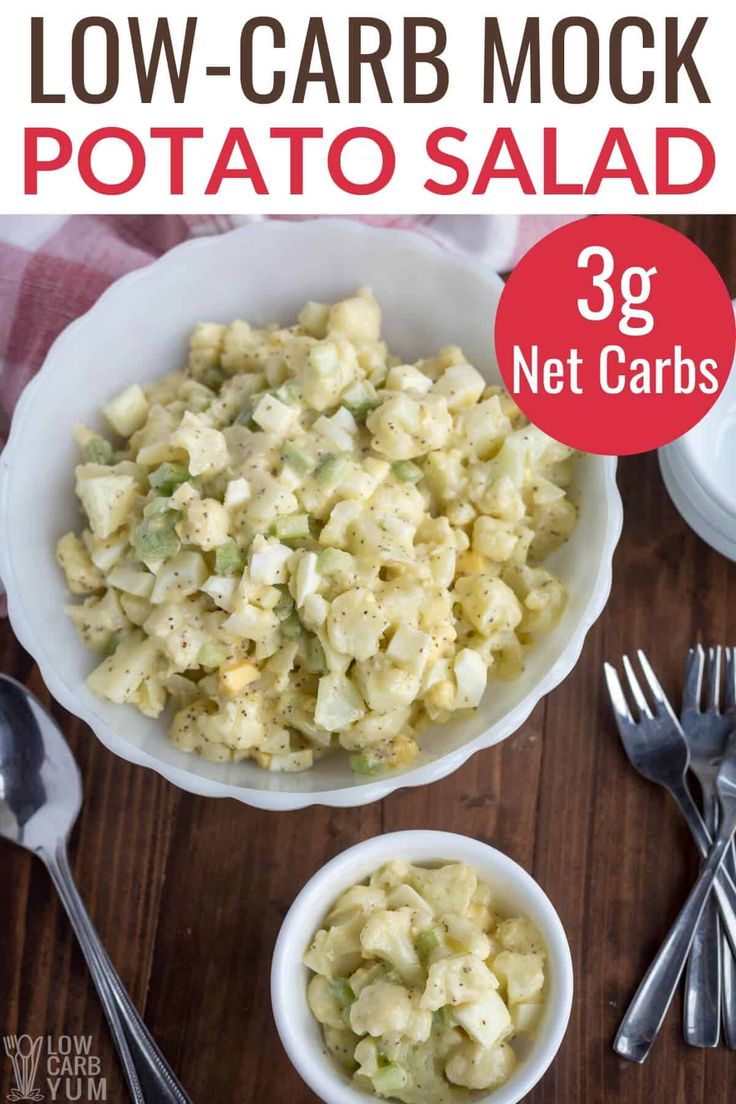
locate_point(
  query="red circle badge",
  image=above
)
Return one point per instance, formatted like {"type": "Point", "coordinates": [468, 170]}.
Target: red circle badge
{"type": "Point", "coordinates": [615, 334]}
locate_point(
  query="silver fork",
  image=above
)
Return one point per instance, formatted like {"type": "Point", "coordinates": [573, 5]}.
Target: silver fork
{"type": "Point", "coordinates": [656, 747]}
{"type": "Point", "coordinates": [646, 1013]}
{"type": "Point", "coordinates": [706, 732]}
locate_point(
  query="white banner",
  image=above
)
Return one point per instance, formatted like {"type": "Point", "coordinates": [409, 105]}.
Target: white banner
{"type": "Point", "coordinates": [297, 107]}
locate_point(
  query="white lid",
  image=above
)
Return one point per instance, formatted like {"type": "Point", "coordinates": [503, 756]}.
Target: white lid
{"type": "Point", "coordinates": [699, 471]}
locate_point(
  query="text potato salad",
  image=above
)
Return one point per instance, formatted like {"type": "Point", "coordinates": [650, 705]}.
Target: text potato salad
{"type": "Point", "coordinates": [304, 543]}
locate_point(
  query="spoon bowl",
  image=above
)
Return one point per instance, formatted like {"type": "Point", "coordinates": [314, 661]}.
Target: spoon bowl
{"type": "Point", "coordinates": [40, 784]}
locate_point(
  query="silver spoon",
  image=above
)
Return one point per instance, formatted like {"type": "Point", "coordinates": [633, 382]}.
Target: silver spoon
{"type": "Point", "coordinates": [40, 798]}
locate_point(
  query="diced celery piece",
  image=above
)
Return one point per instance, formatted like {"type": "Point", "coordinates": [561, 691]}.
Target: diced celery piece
{"type": "Point", "coordinates": [212, 377]}
{"type": "Point", "coordinates": [97, 450]}
{"type": "Point", "coordinates": [407, 471]}
{"type": "Point", "coordinates": [160, 507]}
{"type": "Point", "coordinates": [366, 764]}
{"type": "Point", "coordinates": [441, 1019]}
{"type": "Point", "coordinates": [323, 359]}
{"type": "Point", "coordinates": [332, 468]}
{"type": "Point", "coordinates": [285, 603]}
{"type": "Point", "coordinates": [390, 1079]}
{"type": "Point", "coordinates": [228, 559]}
{"type": "Point", "coordinates": [167, 477]}
{"type": "Point", "coordinates": [154, 538]}
{"type": "Point", "coordinates": [295, 458]}
{"type": "Point", "coordinates": [111, 644]}
{"type": "Point", "coordinates": [245, 417]}
{"type": "Point", "coordinates": [211, 655]}
{"type": "Point", "coordinates": [288, 392]}
{"type": "Point", "coordinates": [314, 655]}
{"type": "Point", "coordinates": [341, 991]}
{"type": "Point", "coordinates": [291, 626]}
{"type": "Point", "coordinates": [199, 397]}
{"type": "Point", "coordinates": [392, 978]}
{"type": "Point", "coordinates": [427, 941]}
{"type": "Point", "coordinates": [153, 544]}
{"type": "Point", "coordinates": [360, 398]}
{"type": "Point", "coordinates": [291, 527]}
{"type": "Point", "coordinates": [333, 559]}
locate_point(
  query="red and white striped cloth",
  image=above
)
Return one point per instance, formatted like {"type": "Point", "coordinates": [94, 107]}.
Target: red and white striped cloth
{"type": "Point", "coordinates": [53, 268]}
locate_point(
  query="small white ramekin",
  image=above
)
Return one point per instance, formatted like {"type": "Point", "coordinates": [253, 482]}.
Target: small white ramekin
{"type": "Point", "coordinates": [515, 892]}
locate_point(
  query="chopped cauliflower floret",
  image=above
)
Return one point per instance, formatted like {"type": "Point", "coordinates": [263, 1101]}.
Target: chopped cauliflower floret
{"type": "Point", "coordinates": [82, 577]}
{"type": "Point", "coordinates": [489, 604]}
{"type": "Point", "coordinates": [457, 980]}
{"type": "Point", "coordinates": [486, 1019]}
{"type": "Point", "coordinates": [358, 319]}
{"type": "Point", "coordinates": [323, 1005]}
{"type": "Point", "coordinates": [388, 935]}
{"type": "Point", "coordinates": [356, 623]}
{"type": "Point", "coordinates": [107, 499]}
{"type": "Point", "coordinates": [205, 446]}
{"type": "Point", "coordinates": [477, 1067]}
{"type": "Point", "coordinates": [461, 385]}
{"type": "Point", "coordinates": [382, 1008]}
{"type": "Point", "coordinates": [521, 973]}
{"type": "Point", "coordinates": [206, 524]}
{"type": "Point", "coordinates": [409, 424]}
{"type": "Point", "coordinates": [127, 411]}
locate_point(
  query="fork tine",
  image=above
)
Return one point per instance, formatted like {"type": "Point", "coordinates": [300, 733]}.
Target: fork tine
{"type": "Point", "coordinates": [636, 691]}
{"type": "Point", "coordinates": [663, 702]}
{"type": "Point", "coordinates": [693, 680]}
{"type": "Point", "coordinates": [729, 691]}
{"type": "Point", "coordinates": [625, 723]}
{"type": "Point", "coordinates": [713, 676]}
{"type": "Point", "coordinates": [616, 694]}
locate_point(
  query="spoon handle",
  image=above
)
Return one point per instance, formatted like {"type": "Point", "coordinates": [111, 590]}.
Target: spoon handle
{"type": "Point", "coordinates": [148, 1074]}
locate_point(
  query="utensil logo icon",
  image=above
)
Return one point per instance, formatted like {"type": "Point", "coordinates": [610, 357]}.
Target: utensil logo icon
{"type": "Point", "coordinates": [24, 1054]}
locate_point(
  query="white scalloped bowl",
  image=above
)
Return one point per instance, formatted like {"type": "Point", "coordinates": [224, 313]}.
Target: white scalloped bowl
{"type": "Point", "coordinates": [137, 331]}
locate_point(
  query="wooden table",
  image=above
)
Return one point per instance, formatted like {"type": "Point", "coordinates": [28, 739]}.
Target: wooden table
{"type": "Point", "coordinates": [188, 893]}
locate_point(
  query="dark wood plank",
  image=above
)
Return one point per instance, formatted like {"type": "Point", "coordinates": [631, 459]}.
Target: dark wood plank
{"type": "Point", "coordinates": [188, 894]}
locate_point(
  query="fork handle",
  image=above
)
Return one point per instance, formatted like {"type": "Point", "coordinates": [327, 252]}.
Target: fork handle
{"type": "Point", "coordinates": [702, 1006]}
{"type": "Point", "coordinates": [729, 972]}
{"type": "Point", "coordinates": [728, 961]}
{"type": "Point", "coordinates": [724, 886]}
{"type": "Point", "coordinates": [644, 1016]}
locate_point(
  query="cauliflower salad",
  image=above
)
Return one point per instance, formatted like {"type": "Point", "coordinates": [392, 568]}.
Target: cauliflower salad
{"type": "Point", "coordinates": [301, 543]}
{"type": "Point", "coordinates": [421, 986]}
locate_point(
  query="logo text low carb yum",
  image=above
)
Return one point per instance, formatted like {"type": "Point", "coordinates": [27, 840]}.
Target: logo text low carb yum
{"type": "Point", "coordinates": [62, 1069]}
